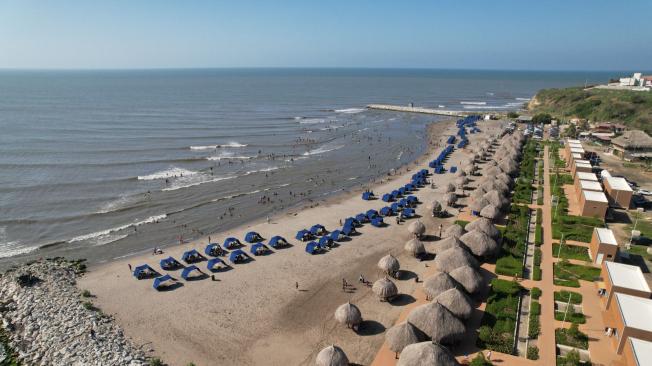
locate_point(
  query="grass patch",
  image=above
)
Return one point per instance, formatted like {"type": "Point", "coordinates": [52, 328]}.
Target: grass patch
{"type": "Point", "coordinates": [536, 274]}
{"type": "Point", "coordinates": [573, 227]}
{"type": "Point", "coordinates": [562, 296]}
{"type": "Point", "coordinates": [523, 188]}
{"type": "Point", "coordinates": [540, 195]}
{"type": "Point", "coordinates": [640, 250]}
{"type": "Point", "coordinates": [568, 274]}
{"type": "Point", "coordinates": [571, 252]}
{"type": "Point", "coordinates": [537, 256]}
{"type": "Point", "coordinates": [462, 223]}
{"type": "Point", "coordinates": [534, 324]}
{"type": "Point", "coordinates": [533, 353]}
{"type": "Point", "coordinates": [572, 337]}
{"type": "Point", "coordinates": [499, 321]}
{"type": "Point", "coordinates": [511, 261]}
{"type": "Point", "coordinates": [535, 293]}
{"type": "Point", "coordinates": [572, 317]}
{"type": "Point", "coordinates": [538, 235]}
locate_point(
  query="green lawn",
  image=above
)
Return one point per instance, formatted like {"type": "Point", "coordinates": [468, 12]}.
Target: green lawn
{"type": "Point", "coordinates": [573, 227]}
{"type": "Point", "coordinates": [572, 337]}
{"type": "Point", "coordinates": [571, 252]}
{"type": "Point", "coordinates": [535, 324]}
{"type": "Point", "coordinates": [575, 298]}
{"type": "Point", "coordinates": [568, 274]}
{"type": "Point", "coordinates": [570, 317]}
{"type": "Point", "coordinates": [640, 250]}
{"type": "Point", "coordinates": [499, 321]}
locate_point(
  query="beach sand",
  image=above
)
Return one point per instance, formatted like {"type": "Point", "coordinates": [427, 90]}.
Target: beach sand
{"type": "Point", "coordinates": [252, 314]}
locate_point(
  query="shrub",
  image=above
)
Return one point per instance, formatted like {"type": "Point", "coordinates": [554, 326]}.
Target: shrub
{"type": "Point", "coordinates": [535, 293]}
{"type": "Point", "coordinates": [88, 305]}
{"type": "Point", "coordinates": [537, 257]}
{"type": "Point", "coordinates": [563, 295]}
{"type": "Point", "coordinates": [542, 118]}
{"type": "Point", "coordinates": [572, 337]}
{"type": "Point", "coordinates": [536, 274]}
{"type": "Point", "coordinates": [535, 327]}
{"type": "Point", "coordinates": [533, 353]}
{"type": "Point", "coordinates": [86, 293]}
{"type": "Point", "coordinates": [535, 308]}
{"type": "Point", "coordinates": [480, 360]}
{"type": "Point", "coordinates": [538, 235]}
{"type": "Point", "coordinates": [155, 362]}
{"type": "Point", "coordinates": [512, 115]}
{"type": "Point", "coordinates": [509, 266]}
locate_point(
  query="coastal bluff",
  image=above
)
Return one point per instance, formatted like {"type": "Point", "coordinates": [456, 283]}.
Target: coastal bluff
{"type": "Point", "coordinates": [400, 108]}
{"type": "Point", "coordinates": [47, 321]}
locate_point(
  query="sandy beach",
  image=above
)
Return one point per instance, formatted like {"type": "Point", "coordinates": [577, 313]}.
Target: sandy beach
{"type": "Point", "coordinates": [253, 314]}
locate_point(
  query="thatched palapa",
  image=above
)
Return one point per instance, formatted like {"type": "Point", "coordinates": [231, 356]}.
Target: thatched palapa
{"type": "Point", "coordinates": [447, 243]}
{"type": "Point", "coordinates": [385, 289]}
{"type": "Point", "coordinates": [450, 198]}
{"type": "Point", "coordinates": [402, 335]}
{"type": "Point", "coordinates": [349, 315]}
{"type": "Point", "coordinates": [485, 226]}
{"type": "Point", "coordinates": [417, 228]}
{"type": "Point", "coordinates": [332, 356]}
{"type": "Point", "coordinates": [450, 187]}
{"type": "Point", "coordinates": [426, 354]}
{"type": "Point", "coordinates": [490, 212]}
{"type": "Point", "coordinates": [437, 284]}
{"type": "Point", "coordinates": [415, 247]}
{"type": "Point", "coordinates": [453, 258]}
{"type": "Point", "coordinates": [457, 302]}
{"type": "Point", "coordinates": [469, 277]}
{"type": "Point", "coordinates": [454, 230]}
{"type": "Point", "coordinates": [438, 322]}
{"type": "Point", "coordinates": [479, 243]}
{"type": "Point", "coordinates": [389, 264]}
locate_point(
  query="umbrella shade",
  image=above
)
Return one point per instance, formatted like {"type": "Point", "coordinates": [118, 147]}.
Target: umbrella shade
{"type": "Point", "coordinates": [402, 335]}
{"type": "Point", "coordinates": [478, 205]}
{"type": "Point", "coordinates": [332, 356]}
{"type": "Point", "coordinates": [484, 225]}
{"type": "Point", "coordinates": [384, 289]}
{"type": "Point", "coordinates": [453, 258]}
{"type": "Point", "coordinates": [426, 354]}
{"type": "Point", "coordinates": [450, 198]}
{"type": "Point", "coordinates": [436, 206]}
{"type": "Point", "coordinates": [389, 264]}
{"type": "Point", "coordinates": [348, 314]}
{"type": "Point", "coordinates": [454, 230]}
{"type": "Point", "coordinates": [417, 228]}
{"type": "Point", "coordinates": [447, 243]}
{"type": "Point", "coordinates": [415, 247]}
{"type": "Point", "coordinates": [457, 302]}
{"type": "Point", "coordinates": [438, 322]}
{"type": "Point", "coordinates": [450, 187]}
{"type": "Point", "coordinates": [503, 177]}
{"type": "Point", "coordinates": [479, 243]}
{"type": "Point", "coordinates": [490, 212]}
{"type": "Point", "coordinates": [438, 283]}
{"type": "Point", "coordinates": [495, 198]}
{"type": "Point", "coordinates": [469, 277]}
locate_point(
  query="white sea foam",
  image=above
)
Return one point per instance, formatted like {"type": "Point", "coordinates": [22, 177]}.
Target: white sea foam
{"type": "Point", "coordinates": [106, 232]}
{"type": "Point", "coordinates": [474, 103]}
{"type": "Point", "coordinates": [229, 155]}
{"type": "Point", "coordinates": [231, 144]}
{"type": "Point", "coordinates": [168, 173]}
{"type": "Point", "coordinates": [350, 110]}
{"type": "Point", "coordinates": [12, 248]}
{"type": "Point", "coordinates": [261, 170]}
{"type": "Point", "coordinates": [107, 239]}
{"type": "Point", "coordinates": [180, 184]}
{"type": "Point", "coordinates": [441, 106]}
{"type": "Point", "coordinates": [524, 99]}
{"type": "Point", "coordinates": [399, 155]}
{"type": "Point", "coordinates": [312, 121]}
{"type": "Point", "coordinates": [322, 150]}
{"type": "Point", "coordinates": [203, 147]}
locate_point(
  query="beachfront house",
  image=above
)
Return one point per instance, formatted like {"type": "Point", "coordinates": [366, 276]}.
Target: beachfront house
{"type": "Point", "coordinates": [632, 145]}
{"type": "Point", "coordinates": [622, 278]}
{"type": "Point", "coordinates": [603, 246]}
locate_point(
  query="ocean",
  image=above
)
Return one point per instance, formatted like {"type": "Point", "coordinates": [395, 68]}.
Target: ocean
{"type": "Point", "coordinates": [104, 164]}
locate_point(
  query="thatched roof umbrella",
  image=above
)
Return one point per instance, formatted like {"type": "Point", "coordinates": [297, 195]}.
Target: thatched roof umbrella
{"type": "Point", "coordinates": [508, 166]}
{"type": "Point", "coordinates": [492, 171]}
{"type": "Point", "coordinates": [385, 289]}
{"type": "Point", "coordinates": [437, 284]}
{"type": "Point", "coordinates": [479, 243]}
{"type": "Point", "coordinates": [485, 226]}
{"type": "Point", "coordinates": [438, 322]}
{"type": "Point", "coordinates": [494, 185]}
{"type": "Point", "coordinates": [457, 302]}
{"type": "Point", "coordinates": [450, 187]}
{"type": "Point", "coordinates": [332, 356]}
{"type": "Point", "coordinates": [450, 198]}
{"type": "Point", "coordinates": [417, 228]}
{"type": "Point", "coordinates": [490, 212]}
{"type": "Point", "coordinates": [389, 264]}
{"type": "Point", "coordinates": [505, 178]}
{"type": "Point", "coordinates": [478, 205]}
{"type": "Point", "coordinates": [496, 198]}
{"type": "Point", "coordinates": [452, 258]}
{"type": "Point", "coordinates": [461, 181]}
{"type": "Point", "coordinates": [469, 277]}
{"type": "Point", "coordinates": [415, 247]}
{"type": "Point", "coordinates": [446, 244]}
{"type": "Point", "coordinates": [477, 194]}
{"type": "Point", "coordinates": [426, 354]}
{"type": "Point", "coordinates": [402, 335]}
{"type": "Point", "coordinates": [454, 230]}
{"type": "Point", "coordinates": [349, 315]}
{"type": "Point", "coordinates": [468, 170]}
{"type": "Point", "coordinates": [436, 206]}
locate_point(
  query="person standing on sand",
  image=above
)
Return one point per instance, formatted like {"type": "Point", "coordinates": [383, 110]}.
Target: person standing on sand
{"type": "Point", "coordinates": [440, 227]}
{"type": "Point", "coordinates": [296, 285]}
{"type": "Point", "coordinates": [129, 264]}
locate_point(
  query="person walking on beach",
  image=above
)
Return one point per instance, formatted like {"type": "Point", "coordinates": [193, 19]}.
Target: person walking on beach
{"type": "Point", "coordinates": [296, 285]}
{"type": "Point", "coordinates": [440, 227]}
{"type": "Point", "coordinates": [129, 264]}
{"type": "Point", "coordinates": [268, 219]}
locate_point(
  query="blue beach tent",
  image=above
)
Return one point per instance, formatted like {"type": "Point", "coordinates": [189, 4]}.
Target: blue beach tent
{"type": "Point", "coordinates": [395, 193]}
{"type": "Point", "coordinates": [216, 264]}
{"type": "Point", "coordinates": [318, 230]}
{"type": "Point", "coordinates": [401, 190]}
{"type": "Point", "coordinates": [303, 235]}
{"type": "Point", "coordinates": [377, 222]}
{"type": "Point", "coordinates": [350, 221]}
{"type": "Point", "coordinates": [277, 242]}
{"type": "Point", "coordinates": [312, 247]}
{"type": "Point", "coordinates": [386, 211]}
{"type": "Point", "coordinates": [189, 272]}
{"type": "Point", "coordinates": [348, 230]}
{"type": "Point", "coordinates": [407, 213]}
{"type": "Point", "coordinates": [325, 241]}
{"type": "Point", "coordinates": [453, 169]}
{"type": "Point", "coordinates": [361, 218]}
{"type": "Point", "coordinates": [367, 196]}
{"type": "Point", "coordinates": [192, 256]}
{"type": "Point", "coordinates": [213, 249]}
{"type": "Point", "coordinates": [253, 237]}
{"type": "Point", "coordinates": [423, 172]}
{"type": "Point", "coordinates": [335, 235]}
{"type": "Point", "coordinates": [258, 249]}
{"type": "Point", "coordinates": [231, 243]}
{"type": "Point", "coordinates": [170, 263]}
{"type": "Point", "coordinates": [410, 187]}
{"type": "Point", "coordinates": [371, 214]}
{"type": "Point", "coordinates": [387, 197]}
{"type": "Point", "coordinates": [412, 199]}
{"type": "Point", "coordinates": [403, 203]}
{"type": "Point", "coordinates": [395, 207]}
{"type": "Point", "coordinates": [144, 271]}
{"type": "Point", "coordinates": [238, 255]}
{"type": "Point", "coordinates": [162, 281]}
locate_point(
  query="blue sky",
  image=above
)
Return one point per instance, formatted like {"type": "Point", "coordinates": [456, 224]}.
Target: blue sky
{"type": "Point", "coordinates": [525, 34]}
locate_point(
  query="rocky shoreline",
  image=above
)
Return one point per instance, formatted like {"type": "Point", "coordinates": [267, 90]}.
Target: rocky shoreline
{"type": "Point", "coordinates": [47, 320]}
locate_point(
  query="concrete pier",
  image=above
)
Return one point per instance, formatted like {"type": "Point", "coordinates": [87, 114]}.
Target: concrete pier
{"type": "Point", "coordinates": [400, 108]}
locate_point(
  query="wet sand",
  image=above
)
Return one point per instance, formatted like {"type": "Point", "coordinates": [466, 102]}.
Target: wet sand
{"type": "Point", "coordinates": [253, 314]}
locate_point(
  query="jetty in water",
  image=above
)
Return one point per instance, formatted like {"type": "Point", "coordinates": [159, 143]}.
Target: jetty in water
{"type": "Point", "coordinates": [400, 108]}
